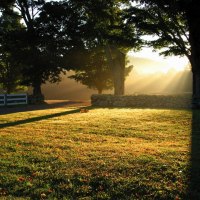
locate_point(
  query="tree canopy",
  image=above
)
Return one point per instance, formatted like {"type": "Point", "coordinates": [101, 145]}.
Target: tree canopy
{"type": "Point", "coordinates": [49, 35]}
{"type": "Point", "coordinates": [165, 23]}
{"type": "Point", "coordinates": [111, 32]}
{"type": "Point", "coordinates": [174, 25]}
{"type": "Point", "coordinates": [59, 35]}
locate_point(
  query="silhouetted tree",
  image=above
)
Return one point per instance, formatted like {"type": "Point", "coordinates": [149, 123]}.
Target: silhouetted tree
{"type": "Point", "coordinates": [50, 34]}
{"type": "Point", "coordinates": [174, 25]}
{"type": "Point", "coordinates": [41, 63]}
{"type": "Point", "coordinates": [80, 27]}
{"type": "Point", "coordinates": [58, 36]}
{"type": "Point", "coordinates": [97, 73]}
{"type": "Point", "coordinates": [108, 30]}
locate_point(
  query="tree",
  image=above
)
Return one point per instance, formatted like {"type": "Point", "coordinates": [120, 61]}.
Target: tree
{"type": "Point", "coordinates": [55, 30]}
{"type": "Point", "coordinates": [97, 74]}
{"type": "Point", "coordinates": [31, 54]}
{"type": "Point", "coordinates": [109, 31]}
{"type": "Point", "coordinates": [50, 34]}
{"type": "Point", "coordinates": [10, 68]}
{"type": "Point", "coordinates": [10, 76]}
{"type": "Point", "coordinates": [175, 27]}
{"type": "Point", "coordinates": [41, 63]}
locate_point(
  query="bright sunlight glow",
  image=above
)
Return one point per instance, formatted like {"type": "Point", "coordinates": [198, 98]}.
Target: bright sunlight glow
{"type": "Point", "coordinates": [155, 74]}
{"type": "Point", "coordinates": [166, 63]}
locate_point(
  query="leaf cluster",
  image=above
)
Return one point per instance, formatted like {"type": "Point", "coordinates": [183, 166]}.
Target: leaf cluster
{"type": "Point", "coordinates": [165, 22]}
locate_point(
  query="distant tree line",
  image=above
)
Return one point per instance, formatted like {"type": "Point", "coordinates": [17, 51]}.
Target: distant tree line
{"type": "Point", "coordinates": [41, 39]}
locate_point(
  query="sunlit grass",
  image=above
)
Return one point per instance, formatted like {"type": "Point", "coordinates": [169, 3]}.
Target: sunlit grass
{"type": "Point", "coordinates": [101, 154]}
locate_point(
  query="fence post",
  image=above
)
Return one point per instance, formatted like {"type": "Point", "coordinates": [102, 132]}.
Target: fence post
{"type": "Point", "coordinates": [5, 99]}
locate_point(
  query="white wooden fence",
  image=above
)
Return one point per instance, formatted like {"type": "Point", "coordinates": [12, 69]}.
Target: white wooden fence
{"type": "Point", "coordinates": [13, 99]}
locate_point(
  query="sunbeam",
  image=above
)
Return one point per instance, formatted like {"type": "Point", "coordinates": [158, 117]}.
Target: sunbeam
{"type": "Point", "coordinates": [159, 77]}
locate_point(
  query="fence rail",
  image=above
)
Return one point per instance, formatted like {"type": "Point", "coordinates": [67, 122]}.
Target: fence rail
{"type": "Point", "coordinates": [13, 99]}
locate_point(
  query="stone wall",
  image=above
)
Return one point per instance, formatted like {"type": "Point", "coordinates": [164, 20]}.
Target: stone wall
{"type": "Point", "coordinates": [142, 101]}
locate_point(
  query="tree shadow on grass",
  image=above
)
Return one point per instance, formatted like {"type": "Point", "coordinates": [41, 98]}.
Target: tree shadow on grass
{"type": "Point", "coordinates": [44, 117]}
{"type": "Point", "coordinates": [47, 105]}
{"type": "Point", "coordinates": [194, 184]}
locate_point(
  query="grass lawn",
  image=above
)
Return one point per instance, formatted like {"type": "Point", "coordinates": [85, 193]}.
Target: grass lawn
{"type": "Point", "coordinates": [102, 154]}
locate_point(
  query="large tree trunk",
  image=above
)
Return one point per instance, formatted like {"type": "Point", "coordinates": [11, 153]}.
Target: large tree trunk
{"type": "Point", "coordinates": [196, 90]}
{"type": "Point", "coordinates": [37, 96]}
{"type": "Point", "coordinates": [119, 73]}
{"type": "Point", "coordinates": [116, 61]}
{"type": "Point", "coordinates": [37, 90]}
{"type": "Point", "coordinates": [193, 18]}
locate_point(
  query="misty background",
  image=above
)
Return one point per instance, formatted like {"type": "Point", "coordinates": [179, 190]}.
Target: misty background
{"type": "Point", "coordinates": [147, 77]}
